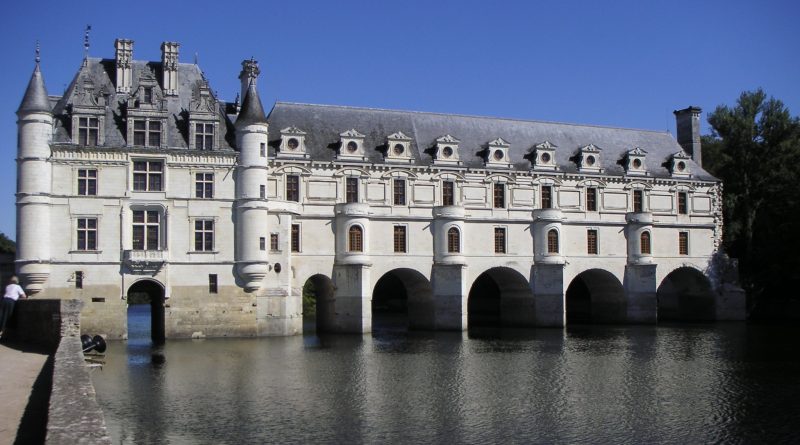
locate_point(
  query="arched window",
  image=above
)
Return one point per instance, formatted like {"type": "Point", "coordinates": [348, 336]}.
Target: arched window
{"type": "Point", "coordinates": [552, 241]}
{"type": "Point", "coordinates": [355, 239]}
{"type": "Point", "coordinates": [644, 243]}
{"type": "Point", "coordinates": [453, 240]}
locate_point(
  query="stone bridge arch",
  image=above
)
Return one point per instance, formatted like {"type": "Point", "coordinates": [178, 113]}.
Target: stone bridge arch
{"type": "Point", "coordinates": [596, 296]}
{"type": "Point", "coordinates": [403, 297]}
{"type": "Point", "coordinates": [318, 295]}
{"type": "Point", "coordinates": [686, 294]}
{"type": "Point", "coordinates": [150, 292]}
{"type": "Point", "coordinates": [500, 296]}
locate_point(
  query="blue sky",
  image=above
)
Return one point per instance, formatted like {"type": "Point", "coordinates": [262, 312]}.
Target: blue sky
{"type": "Point", "coordinates": [624, 63]}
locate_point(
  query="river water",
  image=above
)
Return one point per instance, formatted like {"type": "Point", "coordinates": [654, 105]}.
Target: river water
{"type": "Point", "coordinates": [695, 383]}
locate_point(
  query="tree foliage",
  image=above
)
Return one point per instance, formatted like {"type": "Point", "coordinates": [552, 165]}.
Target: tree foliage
{"type": "Point", "coordinates": [6, 245]}
{"type": "Point", "coordinates": [754, 149]}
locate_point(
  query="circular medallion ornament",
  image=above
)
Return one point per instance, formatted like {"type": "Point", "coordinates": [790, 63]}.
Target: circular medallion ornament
{"type": "Point", "coordinates": [399, 149]}
{"type": "Point", "coordinates": [292, 144]}
{"type": "Point", "coordinates": [352, 146]}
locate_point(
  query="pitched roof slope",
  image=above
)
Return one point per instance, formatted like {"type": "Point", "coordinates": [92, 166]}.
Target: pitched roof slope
{"type": "Point", "coordinates": [324, 123]}
{"type": "Point", "coordinates": [252, 111]}
{"type": "Point", "coordinates": [35, 98]}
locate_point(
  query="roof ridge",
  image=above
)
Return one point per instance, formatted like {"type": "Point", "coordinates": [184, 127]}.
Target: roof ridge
{"type": "Point", "coordinates": [351, 107]}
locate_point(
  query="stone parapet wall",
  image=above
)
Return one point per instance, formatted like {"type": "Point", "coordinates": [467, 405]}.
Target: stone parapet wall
{"type": "Point", "coordinates": [74, 415]}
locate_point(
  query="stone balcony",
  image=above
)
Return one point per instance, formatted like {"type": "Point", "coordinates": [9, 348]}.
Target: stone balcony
{"type": "Point", "coordinates": [145, 260]}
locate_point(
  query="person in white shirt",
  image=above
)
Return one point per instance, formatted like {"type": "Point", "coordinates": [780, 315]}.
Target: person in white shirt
{"type": "Point", "coordinates": [13, 293]}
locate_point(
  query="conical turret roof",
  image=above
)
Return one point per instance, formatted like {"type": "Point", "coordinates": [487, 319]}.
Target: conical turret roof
{"type": "Point", "coordinates": [252, 112]}
{"type": "Point", "coordinates": [35, 99]}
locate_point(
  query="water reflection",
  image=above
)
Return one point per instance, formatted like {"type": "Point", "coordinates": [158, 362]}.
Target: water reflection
{"type": "Point", "coordinates": [622, 384]}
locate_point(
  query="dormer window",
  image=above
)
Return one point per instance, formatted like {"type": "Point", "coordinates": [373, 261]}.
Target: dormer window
{"type": "Point", "coordinates": [147, 95]}
{"type": "Point", "coordinates": [398, 148]}
{"type": "Point", "coordinates": [497, 153]}
{"type": "Point", "coordinates": [293, 143]}
{"type": "Point", "coordinates": [203, 136]}
{"type": "Point", "coordinates": [543, 156]}
{"type": "Point", "coordinates": [352, 146]}
{"type": "Point", "coordinates": [445, 152]}
{"type": "Point", "coordinates": [679, 164]}
{"type": "Point", "coordinates": [589, 159]}
{"type": "Point", "coordinates": [147, 133]}
{"type": "Point", "coordinates": [88, 131]}
{"type": "Point", "coordinates": [634, 162]}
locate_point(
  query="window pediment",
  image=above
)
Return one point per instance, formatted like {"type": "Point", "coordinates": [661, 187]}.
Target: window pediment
{"type": "Point", "coordinates": [679, 165]}
{"type": "Point", "coordinates": [543, 156]}
{"type": "Point", "coordinates": [292, 144]}
{"type": "Point", "coordinates": [634, 162]}
{"type": "Point", "coordinates": [496, 154]}
{"type": "Point", "coordinates": [445, 152]}
{"type": "Point", "coordinates": [351, 146]}
{"type": "Point", "coordinates": [589, 160]}
{"type": "Point", "coordinates": [398, 148]}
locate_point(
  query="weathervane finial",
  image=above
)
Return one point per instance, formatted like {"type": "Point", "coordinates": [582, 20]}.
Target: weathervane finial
{"type": "Point", "coordinates": [38, 53]}
{"type": "Point", "coordinates": [86, 40]}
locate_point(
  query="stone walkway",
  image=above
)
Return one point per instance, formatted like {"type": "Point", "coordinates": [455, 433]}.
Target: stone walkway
{"type": "Point", "coordinates": [19, 369]}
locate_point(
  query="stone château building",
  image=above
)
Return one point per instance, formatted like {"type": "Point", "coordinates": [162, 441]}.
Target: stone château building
{"type": "Point", "coordinates": [140, 180]}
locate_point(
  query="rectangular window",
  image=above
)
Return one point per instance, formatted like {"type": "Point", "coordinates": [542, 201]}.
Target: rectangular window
{"type": "Point", "coordinates": [203, 136]}
{"type": "Point", "coordinates": [683, 243]}
{"type": "Point", "coordinates": [87, 182]}
{"type": "Point", "coordinates": [399, 186]}
{"type": "Point", "coordinates": [499, 195]}
{"type": "Point", "coordinates": [591, 242]}
{"type": "Point", "coordinates": [147, 133]}
{"type": "Point", "coordinates": [87, 233]}
{"type": "Point", "coordinates": [204, 185]}
{"type": "Point", "coordinates": [148, 176]}
{"type": "Point", "coordinates": [591, 199]}
{"type": "Point", "coordinates": [547, 197]}
{"type": "Point", "coordinates": [293, 188]}
{"type": "Point", "coordinates": [262, 191]}
{"type": "Point", "coordinates": [146, 228]}
{"type": "Point", "coordinates": [88, 131]}
{"type": "Point", "coordinates": [637, 201]}
{"type": "Point", "coordinates": [499, 240]}
{"type": "Point", "coordinates": [400, 239]}
{"type": "Point", "coordinates": [212, 283]}
{"type": "Point", "coordinates": [263, 150]}
{"type": "Point", "coordinates": [295, 237]}
{"type": "Point", "coordinates": [448, 193]}
{"type": "Point", "coordinates": [351, 190]}
{"type": "Point", "coordinates": [273, 242]}
{"type": "Point", "coordinates": [147, 96]}
{"type": "Point", "coordinates": [204, 235]}
{"type": "Point", "coordinates": [78, 279]}
{"type": "Point", "coordinates": [262, 243]}
{"type": "Point", "coordinates": [683, 207]}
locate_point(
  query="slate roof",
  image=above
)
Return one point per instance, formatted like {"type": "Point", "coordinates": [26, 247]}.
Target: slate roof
{"type": "Point", "coordinates": [100, 73]}
{"type": "Point", "coordinates": [252, 111]}
{"type": "Point", "coordinates": [324, 123]}
{"type": "Point", "coordinates": [35, 98]}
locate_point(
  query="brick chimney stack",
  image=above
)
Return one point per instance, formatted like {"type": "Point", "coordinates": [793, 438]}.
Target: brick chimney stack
{"type": "Point", "coordinates": [688, 128]}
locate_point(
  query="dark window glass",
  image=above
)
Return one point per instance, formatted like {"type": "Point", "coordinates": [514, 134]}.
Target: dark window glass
{"type": "Point", "coordinates": [262, 191]}
{"type": "Point", "coordinates": [88, 131]}
{"type": "Point", "coordinates": [591, 199]}
{"type": "Point", "coordinates": [212, 283]}
{"type": "Point", "coordinates": [204, 185]}
{"type": "Point", "coordinates": [356, 239]}
{"type": "Point", "coordinates": [87, 182]}
{"type": "Point", "coordinates": [683, 207]}
{"type": "Point", "coordinates": [399, 192]}
{"type": "Point", "coordinates": [499, 240]}
{"type": "Point", "coordinates": [147, 176]}
{"type": "Point", "coordinates": [552, 241]}
{"type": "Point", "coordinates": [78, 279]}
{"type": "Point", "coordinates": [203, 136]}
{"type": "Point", "coordinates": [148, 96]}
{"type": "Point", "coordinates": [87, 234]}
{"type": "Point", "coordinates": [547, 197]}
{"type": "Point", "coordinates": [295, 237]}
{"type": "Point", "coordinates": [263, 150]}
{"type": "Point", "coordinates": [683, 243]}
{"type": "Point", "coordinates": [204, 235]}
{"type": "Point", "coordinates": [262, 243]}
{"type": "Point", "coordinates": [591, 242]}
{"type": "Point", "coordinates": [637, 201]}
{"type": "Point", "coordinates": [146, 227]}
{"type": "Point", "coordinates": [499, 195]}
{"type": "Point", "coordinates": [400, 239]}
{"type": "Point", "coordinates": [351, 190]}
{"type": "Point", "coordinates": [448, 193]}
{"type": "Point", "coordinates": [273, 242]}
{"type": "Point", "coordinates": [645, 243]}
{"type": "Point", "coordinates": [453, 240]}
{"type": "Point", "coordinates": [293, 188]}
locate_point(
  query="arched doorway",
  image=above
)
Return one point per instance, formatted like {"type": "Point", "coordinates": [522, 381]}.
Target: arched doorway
{"type": "Point", "coordinates": [318, 300]}
{"type": "Point", "coordinates": [146, 311]}
{"type": "Point", "coordinates": [686, 295]}
{"type": "Point", "coordinates": [596, 296]}
{"type": "Point", "coordinates": [501, 296]}
{"type": "Point", "coordinates": [402, 298]}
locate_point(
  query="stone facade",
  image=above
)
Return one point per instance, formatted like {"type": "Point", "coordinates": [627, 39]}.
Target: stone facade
{"type": "Point", "coordinates": [138, 174]}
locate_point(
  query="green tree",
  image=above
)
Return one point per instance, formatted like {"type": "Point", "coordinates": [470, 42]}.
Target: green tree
{"type": "Point", "coordinates": [6, 245]}
{"type": "Point", "coordinates": [755, 149]}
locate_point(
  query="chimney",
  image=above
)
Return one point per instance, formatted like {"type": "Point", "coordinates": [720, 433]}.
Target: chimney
{"type": "Point", "coordinates": [249, 74]}
{"type": "Point", "coordinates": [688, 127]}
{"type": "Point", "coordinates": [169, 67]}
{"type": "Point", "coordinates": [123, 56]}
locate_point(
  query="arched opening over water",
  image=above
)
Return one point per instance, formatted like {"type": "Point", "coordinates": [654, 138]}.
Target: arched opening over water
{"type": "Point", "coordinates": [501, 296]}
{"type": "Point", "coordinates": [596, 296]}
{"type": "Point", "coordinates": [686, 295]}
{"type": "Point", "coordinates": [402, 299]}
{"type": "Point", "coordinates": [318, 300]}
{"type": "Point", "coordinates": [146, 311]}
